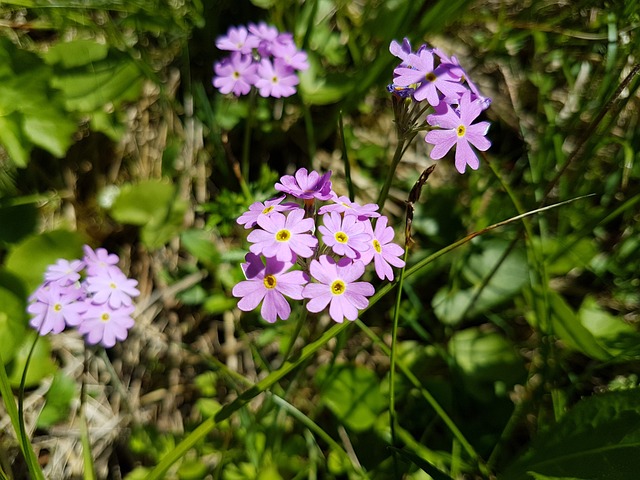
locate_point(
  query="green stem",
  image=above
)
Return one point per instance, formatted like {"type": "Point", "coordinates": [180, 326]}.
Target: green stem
{"type": "Point", "coordinates": [311, 136]}
{"type": "Point", "coordinates": [345, 159]}
{"type": "Point", "coordinates": [397, 156]}
{"type": "Point", "coordinates": [30, 456]}
{"type": "Point", "coordinates": [246, 142]}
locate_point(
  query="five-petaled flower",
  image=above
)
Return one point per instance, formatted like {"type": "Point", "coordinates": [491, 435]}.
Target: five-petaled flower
{"type": "Point", "coordinates": [383, 252]}
{"type": "Point", "coordinates": [283, 237]}
{"type": "Point", "coordinates": [345, 235]}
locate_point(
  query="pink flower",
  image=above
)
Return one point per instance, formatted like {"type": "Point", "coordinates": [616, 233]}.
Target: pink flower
{"type": "Point", "coordinates": [337, 288]}
{"type": "Point", "coordinates": [99, 260]}
{"type": "Point", "coordinates": [276, 79]}
{"type": "Point", "coordinates": [250, 219]}
{"type": "Point", "coordinates": [382, 251]}
{"type": "Point", "coordinates": [458, 131]}
{"type": "Point", "coordinates": [103, 324]}
{"type": "Point", "coordinates": [430, 80]}
{"type": "Point", "coordinates": [55, 307]}
{"type": "Point", "coordinates": [283, 237]}
{"type": "Point", "coordinates": [269, 284]}
{"type": "Point", "coordinates": [238, 40]}
{"type": "Point", "coordinates": [64, 272]}
{"type": "Point", "coordinates": [344, 205]}
{"type": "Point", "coordinates": [345, 235]}
{"type": "Point", "coordinates": [235, 73]}
{"type": "Point", "coordinates": [112, 287]}
{"type": "Point", "coordinates": [306, 185]}
{"type": "Point", "coordinates": [290, 54]}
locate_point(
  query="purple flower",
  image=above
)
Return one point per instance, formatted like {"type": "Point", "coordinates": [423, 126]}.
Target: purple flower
{"type": "Point", "coordinates": [345, 235]}
{"type": "Point", "coordinates": [401, 51]}
{"type": "Point", "coordinates": [236, 74]}
{"type": "Point", "coordinates": [337, 288]}
{"type": "Point", "coordinates": [238, 40]}
{"type": "Point", "coordinates": [276, 79]}
{"type": "Point", "coordinates": [269, 284]}
{"type": "Point", "coordinates": [382, 251]}
{"type": "Point", "coordinates": [250, 218]}
{"type": "Point", "coordinates": [344, 205]}
{"type": "Point", "coordinates": [290, 54]}
{"type": "Point", "coordinates": [458, 130]}
{"type": "Point", "coordinates": [283, 237]}
{"type": "Point", "coordinates": [306, 186]}
{"type": "Point", "coordinates": [99, 260]}
{"type": "Point", "coordinates": [54, 307]}
{"type": "Point", "coordinates": [430, 79]}
{"type": "Point", "coordinates": [106, 325]}
{"type": "Point", "coordinates": [112, 287]}
{"type": "Point", "coordinates": [64, 272]}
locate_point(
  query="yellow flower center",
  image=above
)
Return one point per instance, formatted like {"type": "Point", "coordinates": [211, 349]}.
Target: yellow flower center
{"type": "Point", "coordinates": [274, 79]}
{"type": "Point", "coordinates": [57, 307]}
{"type": "Point", "coordinates": [269, 281]}
{"type": "Point", "coordinates": [113, 286]}
{"type": "Point", "coordinates": [341, 237]}
{"type": "Point", "coordinates": [338, 287]}
{"type": "Point", "coordinates": [267, 210]}
{"type": "Point", "coordinates": [105, 317]}
{"type": "Point", "coordinates": [460, 130]}
{"type": "Point", "coordinates": [236, 75]}
{"type": "Point", "coordinates": [431, 77]}
{"type": "Point", "coordinates": [283, 235]}
{"type": "Point", "coordinates": [376, 245]}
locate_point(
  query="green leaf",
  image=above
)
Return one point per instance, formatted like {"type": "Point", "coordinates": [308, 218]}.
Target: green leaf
{"type": "Point", "coordinates": [200, 244]}
{"type": "Point", "coordinates": [353, 394]}
{"type": "Point", "coordinates": [29, 259]}
{"type": "Point", "coordinates": [508, 279]}
{"type": "Point", "coordinates": [40, 365]}
{"type": "Point", "coordinates": [598, 438]}
{"type": "Point", "coordinates": [139, 204]}
{"type": "Point", "coordinates": [57, 400]}
{"type": "Point", "coordinates": [50, 129]}
{"type": "Point", "coordinates": [425, 466]}
{"type": "Point", "coordinates": [16, 221]}
{"type": "Point", "coordinates": [13, 140]}
{"type": "Point", "coordinates": [12, 323]}
{"type": "Point", "coordinates": [76, 53]}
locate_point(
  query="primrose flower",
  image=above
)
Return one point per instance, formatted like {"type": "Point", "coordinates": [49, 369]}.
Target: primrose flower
{"type": "Point", "coordinates": [238, 39]}
{"type": "Point", "coordinates": [283, 237]}
{"type": "Point", "coordinates": [306, 185]}
{"type": "Point", "coordinates": [337, 287]}
{"type": "Point", "coordinates": [236, 74]}
{"type": "Point", "coordinates": [105, 325]}
{"type": "Point", "coordinates": [269, 283]}
{"type": "Point", "coordinates": [430, 80]}
{"type": "Point", "coordinates": [64, 272]}
{"type": "Point", "coordinates": [112, 287]}
{"type": "Point", "coordinates": [345, 235]}
{"type": "Point", "coordinates": [250, 218]}
{"type": "Point", "coordinates": [97, 261]}
{"type": "Point", "coordinates": [276, 79]}
{"type": "Point", "coordinates": [382, 251]}
{"type": "Point", "coordinates": [347, 207]}
{"type": "Point", "coordinates": [458, 130]}
{"type": "Point", "coordinates": [54, 308]}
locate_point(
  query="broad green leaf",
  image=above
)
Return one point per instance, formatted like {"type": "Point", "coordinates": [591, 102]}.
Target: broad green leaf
{"type": "Point", "coordinates": [12, 322]}
{"type": "Point", "coordinates": [567, 326]}
{"type": "Point", "coordinates": [598, 438]}
{"type": "Point", "coordinates": [617, 338]}
{"type": "Point", "coordinates": [200, 244]}
{"type": "Point", "coordinates": [17, 221]}
{"type": "Point", "coordinates": [50, 129]}
{"type": "Point", "coordinates": [140, 203]}
{"type": "Point", "coordinates": [511, 274]}
{"type": "Point", "coordinates": [29, 259]}
{"type": "Point", "coordinates": [76, 53]}
{"type": "Point", "coordinates": [162, 228]}
{"type": "Point", "coordinates": [40, 365]}
{"type": "Point", "coordinates": [353, 394]}
{"type": "Point", "coordinates": [13, 140]}
{"type": "Point", "coordinates": [57, 400]}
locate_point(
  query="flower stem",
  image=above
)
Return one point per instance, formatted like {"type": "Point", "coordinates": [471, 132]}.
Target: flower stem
{"type": "Point", "coordinates": [246, 141]}
{"type": "Point", "coordinates": [397, 156]}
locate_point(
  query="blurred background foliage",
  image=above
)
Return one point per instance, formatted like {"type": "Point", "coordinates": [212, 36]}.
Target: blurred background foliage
{"type": "Point", "coordinates": [112, 134]}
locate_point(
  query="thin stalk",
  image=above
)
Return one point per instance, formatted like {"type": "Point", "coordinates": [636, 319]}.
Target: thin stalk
{"type": "Point", "coordinates": [392, 359]}
{"type": "Point", "coordinates": [87, 458]}
{"type": "Point", "coordinates": [345, 159]}
{"type": "Point", "coordinates": [311, 135]}
{"type": "Point", "coordinates": [301, 319]}
{"type": "Point", "coordinates": [27, 449]}
{"type": "Point", "coordinates": [246, 141]}
{"type": "Point", "coordinates": [397, 156]}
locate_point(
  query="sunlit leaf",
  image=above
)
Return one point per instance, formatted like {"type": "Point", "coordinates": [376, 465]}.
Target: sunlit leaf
{"type": "Point", "coordinates": [40, 366]}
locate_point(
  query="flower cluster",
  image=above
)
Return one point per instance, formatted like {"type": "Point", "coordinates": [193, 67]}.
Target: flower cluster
{"type": "Point", "coordinates": [290, 258]}
{"type": "Point", "coordinates": [99, 303]}
{"type": "Point", "coordinates": [261, 57]}
{"type": "Point", "coordinates": [430, 75]}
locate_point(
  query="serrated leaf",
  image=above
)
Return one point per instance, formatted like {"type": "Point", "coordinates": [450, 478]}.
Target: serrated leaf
{"type": "Point", "coordinates": [598, 438]}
